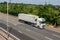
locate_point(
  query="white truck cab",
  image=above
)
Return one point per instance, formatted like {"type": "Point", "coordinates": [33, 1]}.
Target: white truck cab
{"type": "Point", "coordinates": [41, 22]}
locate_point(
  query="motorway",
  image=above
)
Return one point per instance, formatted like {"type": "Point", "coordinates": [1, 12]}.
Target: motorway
{"type": "Point", "coordinates": [27, 32]}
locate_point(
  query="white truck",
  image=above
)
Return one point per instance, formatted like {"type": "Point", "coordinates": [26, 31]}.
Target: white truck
{"type": "Point", "coordinates": [32, 19]}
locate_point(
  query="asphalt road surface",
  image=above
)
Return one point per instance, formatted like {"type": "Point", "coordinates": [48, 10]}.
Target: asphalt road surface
{"type": "Point", "coordinates": [27, 32]}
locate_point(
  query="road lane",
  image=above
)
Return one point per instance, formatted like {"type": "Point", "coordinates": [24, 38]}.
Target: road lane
{"type": "Point", "coordinates": [26, 32]}
{"type": "Point", "coordinates": [31, 31]}
{"type": "Point", "coordinates": [19, 35]}
{"type": "Point", "coordinates": [16, 33]}
{"type": "Point", "coordinates": [39, 33]}
{"type": "Point", "coordinates": [56, 35]}
{"type": "Point", "coordinates": [48, 38]}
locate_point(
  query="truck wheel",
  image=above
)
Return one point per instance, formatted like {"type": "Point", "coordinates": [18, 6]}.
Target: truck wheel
{"type": "Point", "coordinates": [32, 25]}
{"type": "Point", "coordinates": [36, 26]}
{"type": "Point", "coordinates": [41, 28]}
{"type": "Point", "coordinates": [21, 21]}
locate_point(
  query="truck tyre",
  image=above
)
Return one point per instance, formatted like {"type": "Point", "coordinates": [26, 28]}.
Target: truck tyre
{"type": "Point", "coordinates": [33, 25]}
{"type": "Point", "coordinates": [21, 21]}
{"type": "Point", "coordinates": [40, 27]}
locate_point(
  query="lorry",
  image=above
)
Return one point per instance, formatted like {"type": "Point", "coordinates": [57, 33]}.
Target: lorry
{"type": "Point", "coordinates": [32, 19]}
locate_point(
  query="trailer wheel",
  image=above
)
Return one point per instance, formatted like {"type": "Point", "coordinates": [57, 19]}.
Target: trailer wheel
{"type": "Point", "coordinates": [40, 27]}
{"type": "Point", "coordinates": [21, 21]}
{"type": "Point", "coordinates": [36, 26]}
{"type": "Point", "coordinates": [33, 25]}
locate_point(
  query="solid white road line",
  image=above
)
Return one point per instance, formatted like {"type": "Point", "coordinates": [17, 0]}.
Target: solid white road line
{"type": "Point", "coordinates": [48, 38]}
{"type": "Point", "coordinates": [56, 35]}
{"type": "Point", "coordinates": [20, 32]}
{"type": "Point", "coordinates": [28, 30]}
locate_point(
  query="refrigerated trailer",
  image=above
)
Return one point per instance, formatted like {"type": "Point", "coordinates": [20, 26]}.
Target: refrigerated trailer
{"type": "Point", "coordinates": [32, 19]}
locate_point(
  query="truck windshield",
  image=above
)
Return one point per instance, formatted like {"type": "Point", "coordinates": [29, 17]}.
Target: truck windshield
{"type": "Point", "coordinates": [42, 22]}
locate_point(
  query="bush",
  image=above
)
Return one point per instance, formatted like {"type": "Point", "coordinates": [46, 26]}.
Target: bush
{"type": "Point", "coordinates": [12, 12]}
{"type": "Point", "coordinates": [58, 21]}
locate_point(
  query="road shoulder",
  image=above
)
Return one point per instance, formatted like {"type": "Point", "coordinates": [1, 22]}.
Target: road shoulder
{"type": "Point", "coordinates": [50, 27]}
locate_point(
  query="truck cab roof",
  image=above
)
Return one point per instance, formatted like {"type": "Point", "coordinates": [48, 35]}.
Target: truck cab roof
{"type": "Point", "coordinates": [41, 19]}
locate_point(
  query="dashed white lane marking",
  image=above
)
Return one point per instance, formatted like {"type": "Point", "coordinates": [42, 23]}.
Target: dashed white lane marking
{"type": "Point", "coordinates": [56, 35]}
{"type": "Point", "coordinates": [28, 30]}
{"type": "Point", "coordinates": [20, 32]}
{"type": "Point", "coordinates": [48, 38]}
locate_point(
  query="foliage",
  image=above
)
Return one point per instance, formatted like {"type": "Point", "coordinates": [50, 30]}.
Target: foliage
{"type": "Point", "coordinates": [48, 11]}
